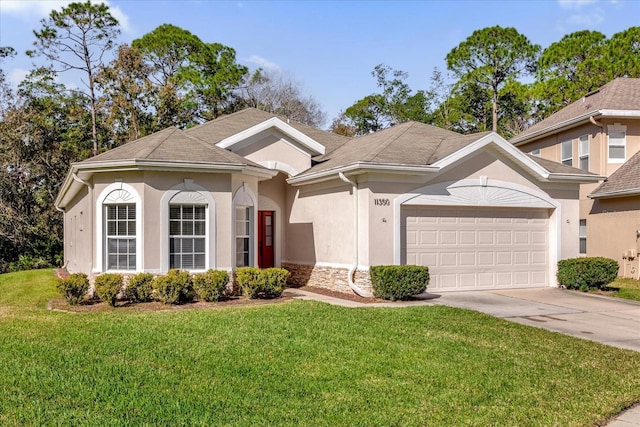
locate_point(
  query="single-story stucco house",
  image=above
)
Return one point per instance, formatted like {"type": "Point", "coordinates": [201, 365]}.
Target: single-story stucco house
{"type": "Point", "coordinates": [252, 188]}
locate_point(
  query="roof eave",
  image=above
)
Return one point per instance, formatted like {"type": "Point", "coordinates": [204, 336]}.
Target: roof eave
{"type": "Point", "coordinates": [611, 194]}
{"type": "Point", "coordinates": [362, 167]}
{"type": "Point", "coordinates": [136, 165]}
{"type": "Point", "coordinates": [574, 177]}
{"type": "Point", "coordinates": [555, 128]}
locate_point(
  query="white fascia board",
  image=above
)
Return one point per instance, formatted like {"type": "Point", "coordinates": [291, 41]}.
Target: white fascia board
{"type": "Point", "coordinates": [583, 179]}
{"type": "Point", "coordinates": [501, 143]}
{"type": "Point", "coordinates": [64, 188]}
{"type": "Point", "coordinates": [361, 167]}
{"type": "Point", "coordinates": [558, 126]}
{"type": "Point", "coordinates": [621, 193]}
{"type": "Point", "coordinates": [620, 113]}
{"type": "Point", "coordinates": [283, 127]}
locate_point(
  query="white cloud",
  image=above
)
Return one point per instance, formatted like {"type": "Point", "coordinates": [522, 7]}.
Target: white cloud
{"type": "Point", "coordinates": [16, 76]}
{"type": "Point", "coordinates": [30, 9]}
{"type": "Point", "coordinates": [574, 4]}
{"type": "Point", "coordinates": [264, 63]}
{"type": "Point", "coordinates": [591, 19]}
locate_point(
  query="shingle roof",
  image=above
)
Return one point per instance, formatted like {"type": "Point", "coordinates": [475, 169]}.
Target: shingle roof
{"type": "Point", "coordinates": [171, 145]}
{"type": "Point", "coordinates": [618, 94]}
{"type": "Point", "coordinates": [625, 180]}
{"type": "Point", "coordinates": [409, 143]}
{"type": "Point", "coordinates": [223, 127]}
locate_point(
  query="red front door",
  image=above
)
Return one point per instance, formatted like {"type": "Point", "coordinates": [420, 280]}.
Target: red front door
{"type": "Point", "coordinates": [266, 240]}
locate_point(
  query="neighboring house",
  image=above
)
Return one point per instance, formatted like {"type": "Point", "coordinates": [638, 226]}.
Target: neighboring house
{"type": "Point", "coordinates": [252, 189]}
{"type": "Point", "coordinates": [600, 133]}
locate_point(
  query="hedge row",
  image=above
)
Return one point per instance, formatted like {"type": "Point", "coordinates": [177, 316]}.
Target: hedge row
{"type": "Point", "coordinates": [176, 287]}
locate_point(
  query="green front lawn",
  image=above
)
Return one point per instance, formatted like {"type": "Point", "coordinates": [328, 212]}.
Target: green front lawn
{"type": "Point", "coordinates": [296, 363]}
{"type": "Point", "coordinates": [624, 288]}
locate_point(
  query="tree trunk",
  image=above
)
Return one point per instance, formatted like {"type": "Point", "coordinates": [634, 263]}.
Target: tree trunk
{"type": "Point", "coordinates": [494, 108]}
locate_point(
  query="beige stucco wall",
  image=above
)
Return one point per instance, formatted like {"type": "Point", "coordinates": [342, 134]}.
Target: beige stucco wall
{"type": "Point", "coordinates": [611, 229]}
{"type": "Point", "coordinates": [78, 233]}
{"type": "Point", "coordinates": [320, 224]}
{"type": "Point", "coordinates": [272, 147]}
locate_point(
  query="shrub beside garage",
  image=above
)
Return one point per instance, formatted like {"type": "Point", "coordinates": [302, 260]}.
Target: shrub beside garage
{"type": "Point", "coordinates": [587, 273]}
{"type": "Point", "coordinates": [398, 282]}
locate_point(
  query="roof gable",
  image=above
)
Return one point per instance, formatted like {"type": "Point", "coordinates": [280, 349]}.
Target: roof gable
{"type": "Point", "coordinates": [618, 98]}
{"type": "Point", "coordinates": [419, 148]}
{"type": "Point", "coordinates": [307, 143]}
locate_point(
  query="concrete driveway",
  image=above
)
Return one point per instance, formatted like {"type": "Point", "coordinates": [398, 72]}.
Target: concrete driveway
{"type": "Point", "coordinates": [606, 320]}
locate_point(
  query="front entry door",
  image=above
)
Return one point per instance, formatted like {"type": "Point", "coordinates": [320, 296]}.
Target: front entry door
{"type": "Point", "coordinates": [266, 240]}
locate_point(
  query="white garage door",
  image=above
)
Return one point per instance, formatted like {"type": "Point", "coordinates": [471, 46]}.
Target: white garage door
{"type": "Point", "coordinates": [478, 248]}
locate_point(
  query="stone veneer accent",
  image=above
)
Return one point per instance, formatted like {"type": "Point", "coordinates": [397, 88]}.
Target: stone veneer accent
{"type": "Point", "coordinates": [333, 278]}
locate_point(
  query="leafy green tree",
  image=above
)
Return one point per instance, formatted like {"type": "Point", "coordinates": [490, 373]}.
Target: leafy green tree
{"type": "Point", "coordinates": [490, 57]}
{"type": "Point", "coordinates": [622, 52]}
{"type": "Point", "coordinates": [127, 93]}
{"type": "Point", "coordinates": [194, 80]}
{"type": "Point", "coordinates": [76, 38]}
{"type": "Point", "coordinates": [166, 50]}
{"type": "Point", "coordinates": [396, 104]}
{"type": "Point", "coordinates": [569, 68]}
{"type": "Point", "coordinates": [39, 138]}
{"type": "Point", "coordinates": [212, 75]}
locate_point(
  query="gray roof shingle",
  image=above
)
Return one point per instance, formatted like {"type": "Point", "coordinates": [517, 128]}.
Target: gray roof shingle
{"type": "Point", "coordinates": [170, 145]}
{"type": "Point", "coordinates": [625, 180]}
{"type": "Point", "coordinates": [223, 127]}
{"type": "Point", "coordinates": [619, 94]}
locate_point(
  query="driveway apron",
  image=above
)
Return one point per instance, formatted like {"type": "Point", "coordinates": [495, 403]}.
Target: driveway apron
{"type": "Point", "coordinates": [606, 320]}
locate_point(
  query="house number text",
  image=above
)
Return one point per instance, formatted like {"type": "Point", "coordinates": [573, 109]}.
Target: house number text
{"type": "Point", "coordinates": [381, 202]}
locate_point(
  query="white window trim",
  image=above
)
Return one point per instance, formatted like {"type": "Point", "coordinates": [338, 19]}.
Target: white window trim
{"type": "Point", "coordinates": [243, 196]}
{"type": "Point", "coordinates": [617, 127]}
{"type": "Point", "coordinates": [581, 236]}
{"type": "Point", "coordinates": [100, 266]}
{"type": "Point", "coordinates": [583, 155]}
{"type": "Point", "coordinates": [562, 158]}
{"type": "Point", "coordinates": [210, 226]}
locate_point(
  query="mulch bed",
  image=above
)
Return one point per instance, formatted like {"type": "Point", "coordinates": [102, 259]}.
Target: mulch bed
{"type": "Point", "coordinates": [342, 295]}
{"type": "Point", "coordinates": [60, 304]}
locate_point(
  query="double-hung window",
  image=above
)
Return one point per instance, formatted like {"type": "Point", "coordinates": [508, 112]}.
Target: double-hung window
{"type": "Point", "coordinates": [187, 236]}
{"type": "Point", "coordinates": [121, 236]}
{"type": "Point", "coordinates": [567, 153]}
{"type": "Point", "coordinates": [243, 235]}
{"type": "Point", "coordinates": [583, 152]}
{"type": "Point", "coordinates": [617, 143]}
{"type": "Point", "coordinates": [583, 236]}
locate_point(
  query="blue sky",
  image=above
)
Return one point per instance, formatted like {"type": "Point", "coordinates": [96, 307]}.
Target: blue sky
{"type": "Point", "coordinates": [331, 47]}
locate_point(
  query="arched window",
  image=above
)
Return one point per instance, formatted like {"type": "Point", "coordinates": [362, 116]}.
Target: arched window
{"type": "Point", "coordinates": [187, 230]}
{"type": "Point", "coordinates": [119, 232]}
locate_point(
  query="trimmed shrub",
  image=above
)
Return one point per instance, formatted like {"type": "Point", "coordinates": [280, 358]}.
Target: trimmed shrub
{"type": "Point", "coordinates": [257, 283]}
{"type": "Point", "coordinates": [211, 286]}
{"type": "Point", "coordinates": [74, 288]}
{"type": "Point", "coordinates": [140, 287]}
{"type": "Point", "coordinates": [174, 288]}
{"type": "Point", "coordinates": [587, 273]}
{"type": "Point", "coordinates": [398, 282]}
{"type": "Point", "coordinates": [274, 282]}
{"type": "Point", "coordinates": [108, 287]}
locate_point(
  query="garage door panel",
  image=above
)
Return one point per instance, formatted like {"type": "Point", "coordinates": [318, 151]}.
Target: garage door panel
{"type": "Point", "coordinates": [478, 248]}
